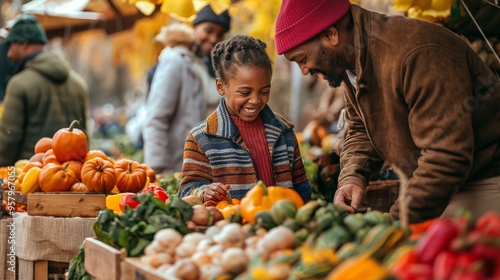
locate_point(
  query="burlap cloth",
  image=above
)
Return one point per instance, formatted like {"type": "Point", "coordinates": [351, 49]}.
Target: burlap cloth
{"type": "Point", "coordinates": [50, 238]}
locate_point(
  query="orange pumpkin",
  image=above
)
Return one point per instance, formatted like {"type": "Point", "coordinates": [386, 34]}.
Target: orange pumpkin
{"type": "Point", "coordinates": [37, 157]}
{"type": "Point", "coordinates": [43, 144]}
{"type": "Point", "coordinates": [98, 175]}
{"type": "Point", "coordinates": [70, 143]}
{"type": "Point", "coordinates": [56, 178]}
{"type": "Point", "coordinates": [130, 175]}
{"type": "Point", "coordinates": [150, 173]}
{"type": "Point", "coordinates": [49, 157]}
{"type": "Point", "coordinates": [20, 178]}
{"type": "Point", "coordinates": [79, 187]}
{"type": "Point", "coordinates": [31, 164]}
{"type": "Point", "coordinates": [76, 166]}
{"type": "Point", "coordinates": [95, 153]}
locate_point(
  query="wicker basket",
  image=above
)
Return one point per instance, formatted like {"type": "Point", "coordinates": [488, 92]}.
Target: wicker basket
{"type": "Point", "coordinates": [380, 195]}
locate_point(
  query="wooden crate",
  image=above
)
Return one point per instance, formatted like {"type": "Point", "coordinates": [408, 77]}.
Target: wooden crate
{"type": "Point", "coordinates": [133, 269]}
{"type": "Point", "coordinates": [102, 261]}
{"type": "Point", "coordinates": [41, 270]}
{"type": "Point", "coordinates": [380, 195]}
{"type": "Point", "coordinates": [69, 204]}
{"type": "Point", "coordinates": [16, 196]}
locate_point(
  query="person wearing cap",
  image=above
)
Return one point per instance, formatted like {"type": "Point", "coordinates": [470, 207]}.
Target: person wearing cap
{"type": "Point", "coordinates": [175, 103]}
{"type": "Point", "coordinates": [418, 98]}
{"type": "Point", "coordinates": [209, 29]}
{"type": "Point", "coordinates": [43, 95]}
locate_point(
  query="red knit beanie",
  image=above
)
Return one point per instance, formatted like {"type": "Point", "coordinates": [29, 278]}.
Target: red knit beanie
{"type": "Point", "coordinates": [300, 20]}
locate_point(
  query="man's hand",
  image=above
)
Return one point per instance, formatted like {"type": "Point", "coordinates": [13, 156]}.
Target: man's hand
{"type": "Point", "coordinates": [349, 197]}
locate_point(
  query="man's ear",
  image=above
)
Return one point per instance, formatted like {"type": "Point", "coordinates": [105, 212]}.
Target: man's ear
{"type": "Point", "coordinates": [330, 36]}
{"type": "Point", "coordinates": [220, 86]}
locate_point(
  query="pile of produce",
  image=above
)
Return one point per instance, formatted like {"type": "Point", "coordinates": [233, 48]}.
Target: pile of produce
{"type": "Point", "coordinates": [64, 163]}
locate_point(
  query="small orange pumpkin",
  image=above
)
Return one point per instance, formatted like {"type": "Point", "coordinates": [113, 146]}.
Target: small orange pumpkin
{"type": "Point", "coordinates": [70, 143]}
{"type": "Point", "coordinates": [98, 175]}
{"type": "Point", "coordinates": [43, 144]}
{"type": "Point", "coordinates": [76, 166]}
{"type": "Point", "coordinates": [150, 172]}
{"type": "Point", "coordinates": [37, 157]}
{"type": "Point", "coordinates": [130, 175]}
{"type": "Point", "coordinates": [49, 157]}
{"type": "Point", "coordinates": [79, 187]}
{"type": "Point", "coordinates": [95, 153]}
{"type": "Point", "coordinates": [56, 178]}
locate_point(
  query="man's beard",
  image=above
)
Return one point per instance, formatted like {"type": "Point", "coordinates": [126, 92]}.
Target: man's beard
{"type": "Point", "coordinates": [336, 68]}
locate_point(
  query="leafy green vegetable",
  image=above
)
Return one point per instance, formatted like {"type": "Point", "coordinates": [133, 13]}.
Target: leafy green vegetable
{"type": "Point", "coordinates": [135, 229]}
{"type": "Point", "coordinates": [76, 269]}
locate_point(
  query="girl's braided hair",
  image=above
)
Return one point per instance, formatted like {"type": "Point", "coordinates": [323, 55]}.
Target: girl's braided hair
{"type": "Point", "coordinates": [241, 51]}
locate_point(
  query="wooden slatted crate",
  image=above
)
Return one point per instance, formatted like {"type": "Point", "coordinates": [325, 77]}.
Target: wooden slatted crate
{"type": "Point", "coordinates": [102, 261]}
{"type": "Point", "coordinates": [66, 204]}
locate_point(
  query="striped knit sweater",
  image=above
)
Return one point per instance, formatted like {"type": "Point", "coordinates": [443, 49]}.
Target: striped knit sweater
{"type": "Point", "coordinates": [214, 152]}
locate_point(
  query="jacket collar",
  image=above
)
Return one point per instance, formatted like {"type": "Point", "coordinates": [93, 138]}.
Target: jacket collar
{"type": "Point", "coordinates": [219, 123]}
{"type": "Point", "coordinates": [362, 32]}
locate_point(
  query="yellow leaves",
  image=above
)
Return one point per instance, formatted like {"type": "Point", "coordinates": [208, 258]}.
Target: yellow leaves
{"type": "Point", "coordinates": [402, 5]}
{"type": "Point", "coordinates": [182, 10]}
{"type": "Point", "coordinates": [430, 10]}
{"type": "Point", "coordinates": [218, 6]}
{"type": "Point", "coordinates": [145, 7]}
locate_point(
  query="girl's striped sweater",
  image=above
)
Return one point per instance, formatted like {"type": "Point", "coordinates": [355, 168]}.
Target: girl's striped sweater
{"type": "Point", "coordinates": [214, 152]}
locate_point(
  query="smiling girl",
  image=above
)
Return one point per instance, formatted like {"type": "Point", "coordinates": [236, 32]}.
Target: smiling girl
{"type": "Point", "coordinates": [243, 140]}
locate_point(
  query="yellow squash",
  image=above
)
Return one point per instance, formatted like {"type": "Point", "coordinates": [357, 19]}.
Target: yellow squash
{"type": "Point", "coordinates": [261, 197]}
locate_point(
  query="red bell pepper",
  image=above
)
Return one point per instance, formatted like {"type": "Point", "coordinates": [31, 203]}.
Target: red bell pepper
{"type": "Point", "coordinates": [444, 264]}
{"type": "Point", "coordinates": [417, 271]}
{"type": "Point", "coordinates": [130, 200]}
{"type": "Point", "coordinates": [489, 224]}
{"type": "Point", "coordinates": [157, 192]}
{"type": "Point", "coordinates": [437, 239]}
{"type": "Point", "coordinates": [468, 267]}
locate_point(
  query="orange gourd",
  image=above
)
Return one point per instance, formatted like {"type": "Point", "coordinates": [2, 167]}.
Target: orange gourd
{"type": "Point", "coordinates": [43, 144]}
{"type": "Point", "coordinates": [76, 166]}
{"type": "Point", "coordinates": [150, 173]}
{"type": "Point", "coordinates": [95, 153]}
{"type": "Point", "coordinates": [56, 178]}
{"type": "Point", "coordinates": [31, 164]}
{"type": "Point", "coordinates": [49, 157]}
{"type": "Point", "coordinates": [261, 197]}
{"type": "Point", "coordinates": [130, 175]}
{"type": "Point", "coordinates": [79, 187]}
{"type": "Point", "coordinates": [98, 175]}
{"type": "Point", "coordinates": [37, 157]}
{"type": "Point", "coordinates": [70, 143]}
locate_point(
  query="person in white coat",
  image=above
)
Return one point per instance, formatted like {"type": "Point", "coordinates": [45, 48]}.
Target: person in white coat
{"type": "Point", "coordinates": [175, 103]}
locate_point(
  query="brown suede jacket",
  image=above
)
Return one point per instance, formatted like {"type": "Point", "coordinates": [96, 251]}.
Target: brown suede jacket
{"type": "Point", "coordinates": [425, 103]}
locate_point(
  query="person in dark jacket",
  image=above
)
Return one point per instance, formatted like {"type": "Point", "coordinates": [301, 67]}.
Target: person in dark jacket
{"type": "Point", "coordinates": [7, 66]}
{"type": "Point", "coordinates": [418, 98]}
{"type": "Point", "coordinates": [43, 95]}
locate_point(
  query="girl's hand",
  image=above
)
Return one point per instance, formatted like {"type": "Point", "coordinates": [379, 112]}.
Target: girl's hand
{"type": "Point", "coordinates": [216, 192]}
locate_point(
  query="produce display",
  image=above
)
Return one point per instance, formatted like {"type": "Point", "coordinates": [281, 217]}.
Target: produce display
{"type": "Point", "coordinates": [264, 236]}
{"type": "Point", "coordinates": [271, 233]}
{"type": "Point", "coordinates": [64, 163]}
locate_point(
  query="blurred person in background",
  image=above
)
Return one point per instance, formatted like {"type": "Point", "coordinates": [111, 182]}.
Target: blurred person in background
{"type": "Point", "coordinates": [43, 95]}
{"type": "Point", "coordinates": [6, 65]}
{"type": "Point", "coordinates": [175, 103]}
{"type": "Point", "coordinates": [209, 29]}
